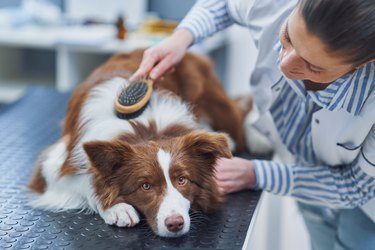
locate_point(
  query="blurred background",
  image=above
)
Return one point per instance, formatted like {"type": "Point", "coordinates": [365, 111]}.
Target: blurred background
{"type": "Point", "coordinates": [57, 43]}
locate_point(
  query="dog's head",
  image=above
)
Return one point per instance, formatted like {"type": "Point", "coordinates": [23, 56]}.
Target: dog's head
{"type": "Point", "coordinates": [163, 179]}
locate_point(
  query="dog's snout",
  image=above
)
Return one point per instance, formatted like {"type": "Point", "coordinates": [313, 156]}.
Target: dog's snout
{"type": "Point", "coordinates": [174, 223]}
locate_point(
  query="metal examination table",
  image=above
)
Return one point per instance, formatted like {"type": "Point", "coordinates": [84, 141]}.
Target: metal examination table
{"type": "Point", "coordinates": [34, 121]}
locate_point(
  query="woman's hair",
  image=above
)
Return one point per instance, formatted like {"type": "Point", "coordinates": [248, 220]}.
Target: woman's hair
{"type": "Point", "coordinates": [346, 27]}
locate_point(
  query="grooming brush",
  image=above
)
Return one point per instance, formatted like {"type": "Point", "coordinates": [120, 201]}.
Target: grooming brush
{"type": "Point", "coordinates": [133, 99]}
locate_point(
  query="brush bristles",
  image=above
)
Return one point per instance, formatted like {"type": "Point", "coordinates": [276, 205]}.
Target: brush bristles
{"type": "Point", "coordinates": [134, 97]}
{"type": "Point", "coordinates": [132, 94]}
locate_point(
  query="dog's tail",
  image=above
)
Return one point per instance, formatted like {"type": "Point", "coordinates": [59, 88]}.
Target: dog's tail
{"type": "Point", "coordinates": [245, 103]}
{"type": "Point", "coordinates": [256, 142]}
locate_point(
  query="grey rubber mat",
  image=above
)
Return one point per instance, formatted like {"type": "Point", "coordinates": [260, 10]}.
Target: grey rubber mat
{"type": "Point", "coordinates": [33, 122]}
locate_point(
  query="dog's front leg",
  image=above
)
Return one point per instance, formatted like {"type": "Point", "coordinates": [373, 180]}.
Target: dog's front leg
{"type": "Point", "coordinates": [121, 215]}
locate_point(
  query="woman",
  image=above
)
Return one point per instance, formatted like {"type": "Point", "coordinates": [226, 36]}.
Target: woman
{"type": "Point", "coordinates": [314, 90]}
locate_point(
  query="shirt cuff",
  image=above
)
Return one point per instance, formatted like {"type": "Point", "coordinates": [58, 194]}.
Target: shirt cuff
{"type": "Point", "coordinates": [273, 177]}
{"type": "Point", "coordinates": [199, 22]}
{"type": "Point", "coordinates": [206, 18]}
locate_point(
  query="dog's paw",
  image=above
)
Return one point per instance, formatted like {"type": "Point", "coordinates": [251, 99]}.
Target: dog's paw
{"type": "Point", "coordinates": [121, 215]}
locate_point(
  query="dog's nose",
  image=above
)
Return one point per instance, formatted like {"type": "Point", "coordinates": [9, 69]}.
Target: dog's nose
{"type": "Point", "coordinates": [174, 223]}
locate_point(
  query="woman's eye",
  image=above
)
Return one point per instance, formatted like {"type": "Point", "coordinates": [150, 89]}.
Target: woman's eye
{"type": "Point", "coordinates": [286, 37]}
{"type": "Point", "coordinates": [285, 34]}
{"type": "Point", "coordinates": [146, 186]}
{"type": "Point", "coordinates": [308, 66]}
{"type": "Point", "coordinates": [182, 180]}
{"type": "Point", "coordinates": [314, 71]}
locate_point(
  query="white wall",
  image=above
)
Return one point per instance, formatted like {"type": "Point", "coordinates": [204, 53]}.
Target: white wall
{"type": "Point", "coordinates": [241, 59]}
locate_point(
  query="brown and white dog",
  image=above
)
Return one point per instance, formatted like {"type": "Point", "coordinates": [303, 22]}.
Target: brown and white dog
{"type": "Point", "coordinates": [160, 164]}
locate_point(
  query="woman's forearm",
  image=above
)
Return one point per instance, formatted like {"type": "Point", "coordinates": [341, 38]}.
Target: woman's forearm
{"type": "Point", "coordinates": [205, 18]}
{"type": "Point", "coordinates": [344, 187]}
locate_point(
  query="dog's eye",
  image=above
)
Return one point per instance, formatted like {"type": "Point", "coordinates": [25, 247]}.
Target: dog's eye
{"type": "Point", "coordinates": [146, 186]}
{"type": "Point", "coordinates": [181, 180]}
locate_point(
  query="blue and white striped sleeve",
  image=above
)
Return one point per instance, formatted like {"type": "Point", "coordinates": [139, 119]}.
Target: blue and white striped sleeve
{"type": "Point", "coordinates": [206, 17]}
{"type": "Point", "coordinates": [340, 187]}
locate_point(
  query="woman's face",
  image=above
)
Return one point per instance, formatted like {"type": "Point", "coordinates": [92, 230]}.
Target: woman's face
{"type": "Point", "coordinates": [305, 57]}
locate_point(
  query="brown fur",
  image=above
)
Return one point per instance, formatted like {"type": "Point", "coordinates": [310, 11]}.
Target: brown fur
{"type": "Point", "coordinates": [37, 183]}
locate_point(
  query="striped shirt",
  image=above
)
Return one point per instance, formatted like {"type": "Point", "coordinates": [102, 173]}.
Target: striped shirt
{"type": "Point", "coordinates": [308, 179]}
{"type": "Point", "coordinates": [206, 18]}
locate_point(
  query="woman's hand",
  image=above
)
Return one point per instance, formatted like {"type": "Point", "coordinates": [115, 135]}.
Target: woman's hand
{"type": "Point", "coordinates": [234, 174]}
{"type": "Point", "coordinates": [162, 57]}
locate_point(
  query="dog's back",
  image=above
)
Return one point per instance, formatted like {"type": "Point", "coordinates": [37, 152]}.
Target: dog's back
{"type": "Point", "coordinates": [193, 80]}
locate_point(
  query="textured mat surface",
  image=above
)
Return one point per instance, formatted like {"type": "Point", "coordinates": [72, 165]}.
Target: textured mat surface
{"type": "Point", "coordinates": [33, 122]}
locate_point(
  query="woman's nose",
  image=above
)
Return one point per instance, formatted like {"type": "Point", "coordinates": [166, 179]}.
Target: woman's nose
{"type": "Point", "coordinates": [290, 61]}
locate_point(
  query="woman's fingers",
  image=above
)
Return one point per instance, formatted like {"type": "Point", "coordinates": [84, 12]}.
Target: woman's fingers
{"type": "Point", "coordinates": [234, 174]}
{"type": "Point", "coordinates": [162, 67]}
{"type": "Point", "coordinates": [148, 62]}
{"type": "Point", "coordinates": [227, 187]}
{"type": "Point", "coordinates": [139, 74]}
{"type": "Point", "coordinates": [160, 59]}
{"type": "Point", "coordinates": [229, 175]}
{"type": "Point", "coordinates": [171, 70]}
{"type": "Point", "coordinates": [154, 65]}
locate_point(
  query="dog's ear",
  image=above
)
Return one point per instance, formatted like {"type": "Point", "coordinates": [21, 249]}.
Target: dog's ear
{"type": "Point", "coordinates": [203, 149]}
{"type": "Point", "coordinates": [209, 145]}
{"type": "Point", "coordinates": [107, 156]}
